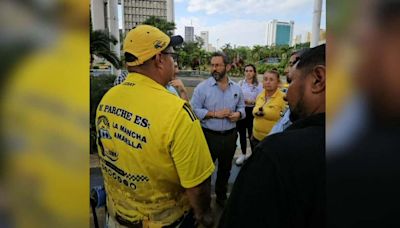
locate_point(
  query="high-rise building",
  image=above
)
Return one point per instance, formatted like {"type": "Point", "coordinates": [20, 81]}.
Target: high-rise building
{"type": "Point", "coordinates": [322, 36]}
{"type": "Point", "coordinates": [308, 39]}
{"type": "Point", "coordinates": [279, 33]}
{"type": "Point", "coordinates": [211, 48]}
{"type": "Point", "coordinates": [189, 33]}
{"type": "Point", "coordinates": [297, 39]}
{"type": "Point", "coordinates": [204, 37]}
{"type": "Point", "coordinates": [137, 11]}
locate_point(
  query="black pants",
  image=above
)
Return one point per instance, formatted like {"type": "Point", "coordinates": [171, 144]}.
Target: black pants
{"type": "Point", "coordinates": [242, 125]}
{"type": "Point", "coordinates": [222, 147]}
{"type": "Point", "coordinates": [253, 143]}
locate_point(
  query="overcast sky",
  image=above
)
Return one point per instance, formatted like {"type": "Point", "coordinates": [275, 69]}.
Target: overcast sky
{"type": "Point", "coordinates": [243, 22]}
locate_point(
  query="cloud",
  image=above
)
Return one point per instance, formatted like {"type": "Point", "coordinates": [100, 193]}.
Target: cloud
{"type": "Point", "coordinates": [244, 22]}
{"type": "Point", "coordinates": [196, 22]}
{"type": "Point", "coordinates": [240, 32]}
{"type": "Point", "coordinates": [178, 1]}
{"type": "Point", "coordinates": [258, 7]}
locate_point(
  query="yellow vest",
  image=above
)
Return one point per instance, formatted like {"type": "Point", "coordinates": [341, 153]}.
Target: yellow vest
{"type": "Point", "coordinates": [151, 147]}
{"type": "Point", "coordinates": [272, 109]}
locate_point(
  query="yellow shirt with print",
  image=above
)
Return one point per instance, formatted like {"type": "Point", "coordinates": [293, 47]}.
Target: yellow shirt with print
{"type": "Point", "coordinates": [151, 147]}
{"type": "Point", "coordinates": [272, 109]}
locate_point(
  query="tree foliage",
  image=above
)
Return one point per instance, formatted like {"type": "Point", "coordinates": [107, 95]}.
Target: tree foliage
{"type": "Point", "coordinates": [100, 46]}
{"type": "Point", "coordinates": [162, 24]}
{"type": "Point", "coordinates": [98, 87]}
{"type": "Point", "coordinates": [191, 54]}
{"type": "Point", "coordinates": [263, 57]}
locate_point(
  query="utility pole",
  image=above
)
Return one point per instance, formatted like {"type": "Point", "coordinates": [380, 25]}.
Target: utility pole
{"type": "Point", "coordinates": [316, 23]}
{"type": "Point", "coordinates": [113, 28]}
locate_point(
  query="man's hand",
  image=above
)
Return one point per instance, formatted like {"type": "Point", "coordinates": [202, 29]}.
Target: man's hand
{"type": "Point", "coordinates": [200, 200]}
{"type": "Point", "coordinates": [234, 116]}
{"type": "Point", "coordinates": [223, 113]}
{"type": "Point", "coordinates": [207, 219]}
{"type": "Point", "coordinates": [177, 83]}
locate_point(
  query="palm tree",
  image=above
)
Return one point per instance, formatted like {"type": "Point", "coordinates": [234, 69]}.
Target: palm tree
{"type": "Point", "coordinates": [163, 25]}
{"type": "Point", "coordinates": [255, 53]}
{"type": "Point", "coordinates": [100, 46]}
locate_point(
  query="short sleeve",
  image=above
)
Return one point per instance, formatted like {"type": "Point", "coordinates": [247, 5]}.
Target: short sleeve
{"type": "Point", "coordinates": [189, 149]}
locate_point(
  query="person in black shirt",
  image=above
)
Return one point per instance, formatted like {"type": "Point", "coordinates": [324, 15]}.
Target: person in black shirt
{"type": "Point", "coordinates": [283, 183]}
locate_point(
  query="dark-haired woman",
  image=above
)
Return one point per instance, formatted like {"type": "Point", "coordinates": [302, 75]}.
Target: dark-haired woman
{"type": "Point", "coordinates": [250, 88]}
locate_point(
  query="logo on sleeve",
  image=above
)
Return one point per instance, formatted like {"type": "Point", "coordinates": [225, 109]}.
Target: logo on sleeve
{"type": "Point", "coordinates": [189, 111]}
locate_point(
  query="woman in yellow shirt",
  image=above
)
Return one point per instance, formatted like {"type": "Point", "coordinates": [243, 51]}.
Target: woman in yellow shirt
{"type": "Point", "coordinates": [268, 108]}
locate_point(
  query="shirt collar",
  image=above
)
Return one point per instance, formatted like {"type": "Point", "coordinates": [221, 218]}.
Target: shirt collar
{"type": "Point", "coordinates": [213, 82]}
{"type": "Point", "coordinates": [273, 95]}
{"type": "Point", "coordinates": [313, 120]}
{"type": "Point", "coordinates": [143, 79]}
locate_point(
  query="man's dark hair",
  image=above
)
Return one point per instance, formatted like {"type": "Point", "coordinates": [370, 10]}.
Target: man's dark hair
{"type": "Point", "coordinates": [299, 53]}
{"type": "Point", "coordinates": [387, 12]}
{"type": "Point", "coordinates": [293, 53]}
{"type": "Point", "coordinates": [311, 58]}
{"type": "Point", "coordinates": [223, 55]}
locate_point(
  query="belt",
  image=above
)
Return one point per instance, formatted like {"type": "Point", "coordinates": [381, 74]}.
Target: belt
{"type": "Point", "coordinates": [227, 132]}
{"type": "Point", "coordinates": [139, 224]}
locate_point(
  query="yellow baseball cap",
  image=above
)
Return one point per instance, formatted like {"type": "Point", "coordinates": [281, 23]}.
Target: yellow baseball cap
{"type": "Point", "coordinates": [145, 41]}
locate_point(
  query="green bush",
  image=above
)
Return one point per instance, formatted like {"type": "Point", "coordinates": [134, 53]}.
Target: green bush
{"type": "Point", "coordinates": [261, 68]}
{"type": "Point", "coordinates": [98, 87]}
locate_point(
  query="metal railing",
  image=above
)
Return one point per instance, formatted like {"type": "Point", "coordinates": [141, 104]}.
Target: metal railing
{"type": "Point", "coordinates": [98, 72]}
{"type": "Point", "coordinates": [194, 73]}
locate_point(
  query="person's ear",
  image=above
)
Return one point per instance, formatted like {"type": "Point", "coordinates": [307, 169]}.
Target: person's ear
{"type": "Point", "coordinates": [158, 60]}
{"type": "Point", "coordinates": [318, 79]}
{"type": "Point", "coordinates": [228, 67]}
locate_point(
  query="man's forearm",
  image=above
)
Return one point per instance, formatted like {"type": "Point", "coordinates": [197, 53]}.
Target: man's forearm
{"type": "Point", "coordinates": [200, 199]}
{"type": "Point", "coordinates": [210, 115]}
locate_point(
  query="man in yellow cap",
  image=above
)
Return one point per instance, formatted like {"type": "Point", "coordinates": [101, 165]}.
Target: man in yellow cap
{"type": "Point", "coordinates": [153, 154]}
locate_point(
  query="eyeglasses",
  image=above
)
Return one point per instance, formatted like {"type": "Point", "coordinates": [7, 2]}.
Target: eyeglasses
{"type": "Point", "coordinates": [173, 54]}
{"type": "Point", "coordinates": [217, 65]}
